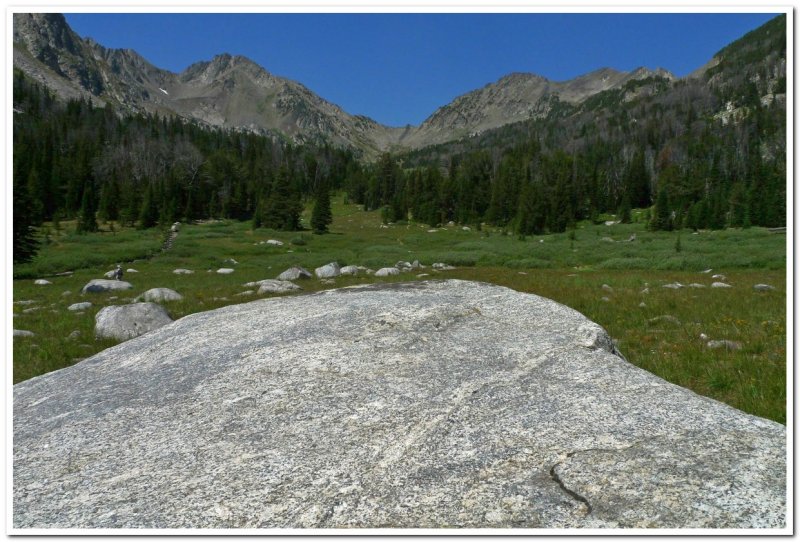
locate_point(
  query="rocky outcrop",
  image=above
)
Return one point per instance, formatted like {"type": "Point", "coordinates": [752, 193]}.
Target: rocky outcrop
{"type": "Point", "coordinates": [422, 404]}
{"type": "Point", "coordinates": [123, 322]}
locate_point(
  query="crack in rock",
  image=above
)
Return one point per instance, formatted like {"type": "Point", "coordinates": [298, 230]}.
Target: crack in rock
{"type": "Point", "coordinates": [568, 491]}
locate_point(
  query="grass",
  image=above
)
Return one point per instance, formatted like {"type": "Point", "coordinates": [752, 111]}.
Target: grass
{"type": "Point", "coordinates": [571, 271]}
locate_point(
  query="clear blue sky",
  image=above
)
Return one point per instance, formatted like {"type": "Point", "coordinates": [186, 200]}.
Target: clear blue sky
{"type": "Point", "coordinates": [398, 68]}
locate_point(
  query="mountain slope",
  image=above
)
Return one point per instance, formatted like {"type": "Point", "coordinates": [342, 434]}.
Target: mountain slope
{"type": "Point", "coordinates": [234, 92]}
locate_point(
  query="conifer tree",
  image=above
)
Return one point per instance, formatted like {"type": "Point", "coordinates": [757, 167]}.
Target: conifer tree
{"type": "Point", "coordinates": [87, 222]}
{"type": "Point", "coordinates": [24, 236]}
{"type": "Point", "coordinates": [662, 219]}
{"type": "Point", "coordinates": [321, 215]}
{"type": "Point", "coordinates": [148, 215]}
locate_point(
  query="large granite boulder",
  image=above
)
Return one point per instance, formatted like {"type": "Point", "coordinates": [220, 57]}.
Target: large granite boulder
{"type": "Point", "coordinates": [104, 285]}
{"type": "Point", "coordinates": [123, 322]}
{"type": "Point", "coordinates": [423, 404]}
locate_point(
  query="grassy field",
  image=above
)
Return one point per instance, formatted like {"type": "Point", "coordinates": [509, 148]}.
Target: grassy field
{"type": "Point", "coordinates": [596, 270]}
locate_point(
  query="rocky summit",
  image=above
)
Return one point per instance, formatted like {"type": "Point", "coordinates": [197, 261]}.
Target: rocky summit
{"type": "Point", "coordinates": [426, 404]}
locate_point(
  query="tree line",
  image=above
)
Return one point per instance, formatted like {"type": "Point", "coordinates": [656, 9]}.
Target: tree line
{"type": "Point", "coordinates": [76, 161]}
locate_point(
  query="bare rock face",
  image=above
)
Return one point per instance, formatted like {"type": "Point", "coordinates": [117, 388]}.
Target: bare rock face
{"type": "Point", "coordinates": [424, 404]}
{"type": "Point", "coordinates": [123, 322]}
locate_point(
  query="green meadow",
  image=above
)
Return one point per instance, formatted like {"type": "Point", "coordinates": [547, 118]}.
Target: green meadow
{"type": "Point", "coordinates": [614, 274]}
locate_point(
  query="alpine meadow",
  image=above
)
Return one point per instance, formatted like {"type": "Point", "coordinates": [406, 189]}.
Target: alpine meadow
{"type": "Point", "coordinates": [653, 205]}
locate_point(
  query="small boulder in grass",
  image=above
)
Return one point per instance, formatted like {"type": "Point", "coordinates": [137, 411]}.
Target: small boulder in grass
{"type": "Point", "coordinates": [23, 333]}
{"type": "Point", "coordinates": [224, 271]}
{"type": "Point", "coordinates": [724, 343]}
{"type": "Point", "coordinates": [720, 285]}
{"type": "Point", "coordinates": [160, 294]}
{"type": "Point", "coordinates": [79, 306]}
{"type": "Point", "coordinates": [763, 288]}
{"type": "Point", "coordinates": [387, 272]}
{"type": "Point", "coordinates": [42, 282]}
{"type": "Point", "coordinates": [183, 271]}
{"type": "Point", "coordinates": [295, 273]}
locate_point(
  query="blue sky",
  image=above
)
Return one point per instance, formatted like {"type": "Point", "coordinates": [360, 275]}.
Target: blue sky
{"type": "Point", "coordinates": [398, 68]}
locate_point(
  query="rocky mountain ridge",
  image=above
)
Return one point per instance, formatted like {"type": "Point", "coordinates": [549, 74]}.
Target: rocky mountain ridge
{"type": "Point", "coordinates": [234, 92]}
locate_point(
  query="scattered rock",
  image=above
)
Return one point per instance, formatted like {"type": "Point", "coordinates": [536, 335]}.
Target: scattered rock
{"type": "Point", "coordinates": [183, 271]}
{"type": "Point", "coordinates": [674, 286]}
{"type": "Point", "coordinates": [703, 337]}
{"type": "Point", "coordinates": [224, 271]}
{"type": "Point", "coordinates": [245, 293]}
{"type": "Point", "coordinates": [65, 293]}
{"type": "Point", "coordinates": [327, 271]}
{"type": "Point", "coordinates": [421, 275]}
{"type": "Point", "coordinates": [697, 285]}
{"type": "Point", "coordinates": [439, 266]}
{"type": "Point", "coordinates": [349, 270]}
{"type": "Point", "coordinates": [176, 227]}
{"type": "Point", "coordinates": [521, 273]}
{"type": "Point", "coordinates": [719, 277]}
{"type": "Point", "coordinates": [158, 295]}
{"type": "Point", "coordinates": [110, 274]}
{"type": "Point", "coordinates": [123, 322]}
{"type": "Point", "coordinates": [327, 281]}
{"type": "Point", "coordinates": [609, 222]}
{"type": "Point", "coordinates": [273, 286]}
{"type": "Point", "coordinates": [74, 335]}
{"type": "Point", "coordinates": [645, 290]}
{"type": "Point", "coordinates": [763, 288]}
{"type": "Point", "coordinates": [451, 223]}
{"type": "Point", "coordinates": [668, 318]}
{"type": "Point", "coordinates": [30, 310]}
{"type": "Point", "coordinates": [96, 286]}
{"type": "Point", "coordinates": [23, 333]}
{"type": "Point", "coordinates": [79, 306]}
{"type": "Point", "coordinates": [607, 288]}
{"type": "Point", "coordinates": [466, 228]}
{"type": "Point", "coordinates": [642, 304]}
{"type": "Point", "coordinates": [41, 282]}
{"type": "Point", "coordinates": [632, 238]}
{"type": "Point", "coordinates": [230, 261]}
{"type": "Point", "coordinates": [403, 266]}
{"type": "Point", "coordinates": [428, 404]}
{"type": "Point", "coordinates": [295, 273]}
{"type": "Point", "coordinates": [707, 270]}
{"type": "Point", "coordinates": [607, 240]}
{"type": "Point", "coordinates": [64, 274]}
{"type": "Point", "coordinates": [432, 231]}
{"type": "Point", "coordinates": [131, 270]}
{"type": "Point", "coordinates": [724, 343]}
{"type": "Point", "coordinates": [387, 271]}
{"type": "Point", "coordinates": [604, 298]}
{"type": "Point", "coordinates": [720, 285]}
{"type": "Point", "coordinates": [416, 265]}
{"type": "Point", "coordinates": [25, 302]}
{"type": "Point", "coordinates": [274, 242]}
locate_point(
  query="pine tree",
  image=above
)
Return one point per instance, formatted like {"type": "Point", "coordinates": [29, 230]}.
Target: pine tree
{"type": "Point", "coordinates": [148, 214]}
{"type": "Point", "coordinates": [25, 242]}
{"type": "Point", "coordinates": [662, 219]}
{"type": "Point", "coordinates": [321, 215]}
{"type": "Point", "coordinates": [87, 222]}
